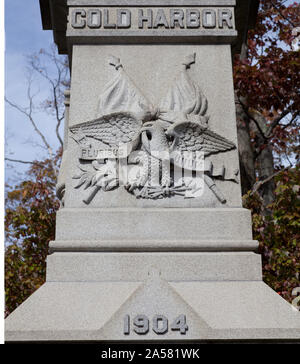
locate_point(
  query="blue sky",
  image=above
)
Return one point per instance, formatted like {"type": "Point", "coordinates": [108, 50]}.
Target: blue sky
{"type": "Point", "coordinates": [23, 36]}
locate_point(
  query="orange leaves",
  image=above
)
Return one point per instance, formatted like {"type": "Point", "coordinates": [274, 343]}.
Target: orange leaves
{"type": "Point", "coordinates": [30, 224]}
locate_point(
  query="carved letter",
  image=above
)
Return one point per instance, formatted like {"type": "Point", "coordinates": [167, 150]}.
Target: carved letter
{"type": "Point", "coordinates": [75, 15]}
{"type": "Point", "coordinates": [145, 18]}
{"type": "Point", "coordinates": [83, 153]}
{"type": "Point", "coordinates": [94, 18]}
{"type": "Point", "coordinates": [192, 18]}
{"type": "Point", "coordinates": [225, 15]}
{"type": "Point", "coordinates": [160, 19]}
{"type": "Point", "coordinates": [209, 18]}
{"type": "Point", "coordinates": [106, 24]}
{"type": "Point", "coordinates": [176, 16]}
{"type": "Point", "coordinates": [123, 18]}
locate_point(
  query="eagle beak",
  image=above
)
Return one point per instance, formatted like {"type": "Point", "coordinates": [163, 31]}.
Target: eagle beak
{"type": "Point", "coordinates": [169, 133]}
{"type": "Point", "coordinates": [144, 129]}
{"type": "Point", "coordinates": [147, 130]}
{"type": "Point", "coordinates": [147, 125]}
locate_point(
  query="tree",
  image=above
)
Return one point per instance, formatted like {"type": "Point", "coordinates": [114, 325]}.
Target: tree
{"type": "Point", "coordinates": [31, 205]}
{"type": "Point", "coordinates": [54, 70]}
{"type": "Point", "coordinates": [29, 224]}
{"type": "Point", "coordinates": [267, 83]}
{"type": "Point", "coordinates": [278, 232]}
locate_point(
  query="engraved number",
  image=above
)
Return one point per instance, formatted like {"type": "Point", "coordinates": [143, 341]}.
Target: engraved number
{"type": "Point", "coordinates": [141, 324]}
{"type": "Point", "coordinates": [126, 325]}
{"type": "Point", "coordinates": [160, 324]}
{"type": "Point", "coordinates": [179, 324]}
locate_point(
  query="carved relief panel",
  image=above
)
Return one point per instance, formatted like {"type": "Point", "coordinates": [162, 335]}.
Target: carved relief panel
{"type": "Point", "coordinates": [153, 152]}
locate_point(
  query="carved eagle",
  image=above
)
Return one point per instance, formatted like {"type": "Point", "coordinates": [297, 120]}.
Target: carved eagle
{"type": "Point", "coordinates": [126, 120]}
{"type": "Point", "coordinates": [191, 136]}
{"type": "Point", "coordinates": [109, 132]}
{"type": "Point", "coordinates": [184, 136]}
{"type": "Point", "coordinates": [181, 127]}
{"type": "Point", "coordinates": [116, 129]}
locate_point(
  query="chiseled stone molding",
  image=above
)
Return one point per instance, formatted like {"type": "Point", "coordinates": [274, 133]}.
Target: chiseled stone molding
{"type": "Point", "coordinates": [147, 3]}
{"type": "Point", "coordinates": [54, 15]}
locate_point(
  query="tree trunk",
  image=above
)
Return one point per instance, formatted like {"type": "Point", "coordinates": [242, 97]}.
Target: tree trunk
{"type": "Point", "coordinates": [265, 170]}
{"type": "Point", "coordinates": [264, 160]}
{"type": "Point", "coordinates": [246, 153]}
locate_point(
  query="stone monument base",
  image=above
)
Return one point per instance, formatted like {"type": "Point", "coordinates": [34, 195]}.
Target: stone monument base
{"type": "Point", "coordinates": [156, 229]}
{"type": "Point", "coordinates": [88, 297]}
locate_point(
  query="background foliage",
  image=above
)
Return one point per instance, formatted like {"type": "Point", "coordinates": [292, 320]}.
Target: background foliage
{"type": "Point", "coordinates": [267, 84]}
{"type": "Point", "coordinates": [278, 233]}
{"type": "Point", "coordinates": [30, 224]}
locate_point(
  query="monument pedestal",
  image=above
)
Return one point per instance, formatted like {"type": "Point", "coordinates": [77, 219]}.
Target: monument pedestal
{"type": "Point", "coordinates": [93, 286]}
{"type": "Point", "coordinates": [155, 229]}
{"type": "Point", "coordinates": [89, 296]}
{"type": "Point", "coordinates": [163, 252]}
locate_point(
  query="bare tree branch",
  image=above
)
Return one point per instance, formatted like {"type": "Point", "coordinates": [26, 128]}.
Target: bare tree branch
{"type": "Point", "coordinates": [24, 162]}
{"type": "Point", "coordinates": [284, 126]}
{"type": "Point", "coordinates": [280, 13]}
{"type": "Point", "coordinates": [55, 72]}
{"type": "Point", "coordinates": [55, 84]}
{"type": "Point", "coordinates": [28, 114]}
{"type": "Point", "coordinates": [267, 134]}
{"type": "Point", "coordinates": [276, 121]}
{"type": "Point", "coordinates": [259, 184]}
{"type": "Point", "coordinates": [246, 111]}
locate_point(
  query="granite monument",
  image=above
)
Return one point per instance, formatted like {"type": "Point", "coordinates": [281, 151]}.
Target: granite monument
{"type": "Point", "coordinates": [152, 241]}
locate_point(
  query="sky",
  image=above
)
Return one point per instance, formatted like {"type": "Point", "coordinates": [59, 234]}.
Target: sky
{"type": "Point", "coordinates": [23, 36]}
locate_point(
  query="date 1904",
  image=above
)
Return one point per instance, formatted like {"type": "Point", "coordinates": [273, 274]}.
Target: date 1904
{"type": "Point", "coordinates": [140, 324]}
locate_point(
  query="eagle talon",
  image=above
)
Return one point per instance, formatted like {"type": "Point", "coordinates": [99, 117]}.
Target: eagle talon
{"type": "Point", "coordinates": [130, 187]}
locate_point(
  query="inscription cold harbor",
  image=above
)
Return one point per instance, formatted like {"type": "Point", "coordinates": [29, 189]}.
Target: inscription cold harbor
{"type": "Point", "coordinates": [194, 18]}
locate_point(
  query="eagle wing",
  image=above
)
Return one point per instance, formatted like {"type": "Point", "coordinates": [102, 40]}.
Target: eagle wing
{"type": "Point", "coordinates": [191, 136]}
{"type": "Point", "coordinates": [109, 131]}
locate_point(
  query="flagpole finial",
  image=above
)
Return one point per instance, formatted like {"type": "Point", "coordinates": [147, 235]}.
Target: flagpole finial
{"type": "Point", "coordinates": [115, 62]}
{"type": "Point", "coordinates": [189, 60]}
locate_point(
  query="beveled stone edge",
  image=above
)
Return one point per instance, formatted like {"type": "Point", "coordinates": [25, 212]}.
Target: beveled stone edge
{"type": "Point", "coordinates": [135, 37]}
{"type": "Point", "coordinates": [152, 245]}
{"type": "Point", "coordinates": [207, 335]}
{"type": "Point", "coordinates": [138, 209]}
{"type": "Point", "coordinates": [151, 3]}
